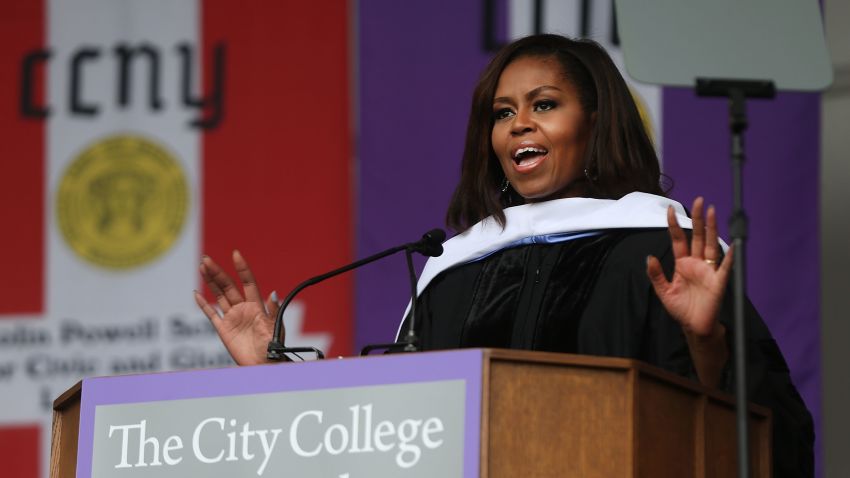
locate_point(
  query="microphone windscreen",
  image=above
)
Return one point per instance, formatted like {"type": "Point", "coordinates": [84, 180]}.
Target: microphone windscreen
{"type": "Point", "coordinates": [433, 250]}
{"type": "Point", "coordinates": [436, 235]}
{"type": "Point", "coordinates": [431, 244]}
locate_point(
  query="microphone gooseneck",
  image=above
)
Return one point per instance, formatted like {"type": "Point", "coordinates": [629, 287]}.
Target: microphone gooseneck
{"type": "Point", "coordinates": [429, 245]}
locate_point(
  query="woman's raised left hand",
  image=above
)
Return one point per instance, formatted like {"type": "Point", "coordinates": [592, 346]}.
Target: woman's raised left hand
{"type": "Point", "coordinates": [694, 294]}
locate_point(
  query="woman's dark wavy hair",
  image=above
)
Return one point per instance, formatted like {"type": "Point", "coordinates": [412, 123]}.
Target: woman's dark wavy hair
{"type": "Point", "coordinates": [619, 159]}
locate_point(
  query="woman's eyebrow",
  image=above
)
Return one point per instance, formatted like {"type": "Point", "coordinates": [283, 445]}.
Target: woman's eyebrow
{"type": "Point", "coordinates": [540, 89]}
{"type": "Point", "coordinates": [529, 95]}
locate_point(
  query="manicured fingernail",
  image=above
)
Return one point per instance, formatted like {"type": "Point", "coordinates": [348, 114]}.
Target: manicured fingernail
{"type": "Point", "coordinates": [274, 297]}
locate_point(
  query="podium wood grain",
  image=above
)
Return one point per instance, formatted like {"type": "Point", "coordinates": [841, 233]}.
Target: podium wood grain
{"type": "Point", "coordinates": [65, 433]}
{"type": "Point", "coordinates": [557, 415]}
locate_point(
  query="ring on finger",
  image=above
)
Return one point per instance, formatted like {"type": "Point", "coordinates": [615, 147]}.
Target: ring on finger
{"type": "Point", "coordinates": [711, 262]}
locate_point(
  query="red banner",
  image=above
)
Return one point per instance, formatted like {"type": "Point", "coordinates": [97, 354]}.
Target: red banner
{"type": "Point", "coordinates": [137, 137]}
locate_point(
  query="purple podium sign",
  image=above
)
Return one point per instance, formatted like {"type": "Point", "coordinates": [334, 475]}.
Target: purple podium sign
{"type": "Point", "coordinates": [395, 415]}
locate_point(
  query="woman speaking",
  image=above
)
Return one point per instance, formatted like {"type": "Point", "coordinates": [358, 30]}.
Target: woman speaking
{"type": "Point", "coordinates": [567, 244]}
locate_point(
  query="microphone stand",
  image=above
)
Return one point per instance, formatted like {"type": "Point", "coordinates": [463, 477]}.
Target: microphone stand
{"type": "Point", "coordinates": [408, 344]}
{"type": "Point", "coordinates": [411, 339]}
{"type": "Point", "coordinates": [738, 91]}
{"type": "Point", "coordinates": [429, 245]}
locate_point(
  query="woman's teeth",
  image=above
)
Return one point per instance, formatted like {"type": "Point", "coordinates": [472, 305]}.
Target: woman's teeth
{"type": "Point", "coordinates": [528, 154]}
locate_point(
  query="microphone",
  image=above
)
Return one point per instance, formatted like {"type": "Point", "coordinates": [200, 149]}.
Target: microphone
{"type": "Point", "coordinates": [429, 245]}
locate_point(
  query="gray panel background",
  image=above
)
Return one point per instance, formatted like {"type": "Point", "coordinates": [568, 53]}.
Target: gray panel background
{"type": "Point", "coordinates": [779, 40]}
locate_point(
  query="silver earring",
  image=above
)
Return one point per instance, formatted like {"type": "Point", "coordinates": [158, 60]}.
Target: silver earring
{"type": "Point", "coordinates": [506, 185]}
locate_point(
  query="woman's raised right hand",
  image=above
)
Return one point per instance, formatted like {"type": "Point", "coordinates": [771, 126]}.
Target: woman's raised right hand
{"type": "Point", "coordinates": [244, 322]}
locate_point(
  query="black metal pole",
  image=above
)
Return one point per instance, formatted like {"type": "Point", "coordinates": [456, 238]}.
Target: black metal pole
{"type": "Point", "coordinates": [738, 225]}
{"type": "Point", "coordinates": [738, 91]}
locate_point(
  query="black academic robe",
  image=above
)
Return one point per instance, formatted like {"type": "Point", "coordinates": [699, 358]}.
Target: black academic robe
{"type": "Point", "coordinates": [591, 296]}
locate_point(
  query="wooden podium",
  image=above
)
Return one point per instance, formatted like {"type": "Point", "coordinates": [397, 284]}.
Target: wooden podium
{"type": "Point", "coordinates": [557, 415]}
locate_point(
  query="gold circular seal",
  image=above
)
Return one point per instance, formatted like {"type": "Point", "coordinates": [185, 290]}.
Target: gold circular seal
{"type": "Point", "coordinates": [122, 202]}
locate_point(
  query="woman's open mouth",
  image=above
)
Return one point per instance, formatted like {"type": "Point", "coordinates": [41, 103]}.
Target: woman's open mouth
{"type": "Point", "coordinates": [527, 157]}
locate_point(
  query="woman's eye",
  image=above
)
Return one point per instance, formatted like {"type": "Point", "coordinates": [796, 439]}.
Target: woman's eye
{"type": "Point", "coordinates": [544, 105]}
{"type": "Point", "coordinates": [502, 113]}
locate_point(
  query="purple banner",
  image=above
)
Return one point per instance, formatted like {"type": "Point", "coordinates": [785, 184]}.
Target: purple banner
{"type": "Point", "coordinates": [419, 62]}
